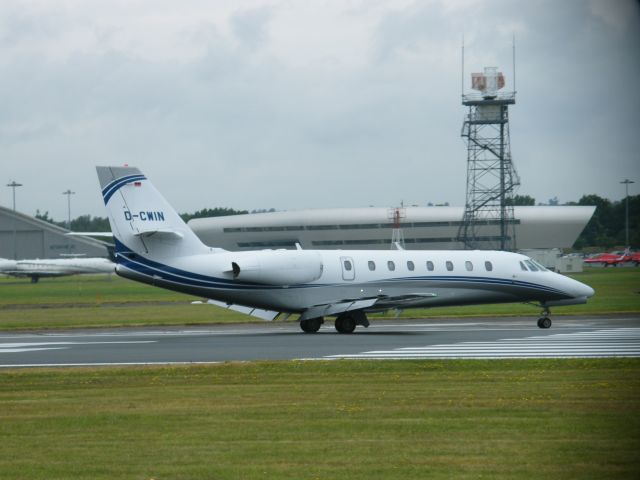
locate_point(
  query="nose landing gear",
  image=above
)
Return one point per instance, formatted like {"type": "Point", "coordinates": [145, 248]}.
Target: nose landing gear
{"type": "Point", "coordinates": [544, 321]}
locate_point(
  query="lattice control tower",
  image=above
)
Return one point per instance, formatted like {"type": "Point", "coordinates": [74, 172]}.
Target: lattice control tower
{"type": "Point", "coordinates": [488, 220]}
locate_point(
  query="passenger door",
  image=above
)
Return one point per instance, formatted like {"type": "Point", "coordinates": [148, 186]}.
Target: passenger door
{"type": "Point", "coordinates": [348, 268]}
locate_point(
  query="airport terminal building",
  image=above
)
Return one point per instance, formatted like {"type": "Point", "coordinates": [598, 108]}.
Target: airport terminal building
{"type": "Point", "coordinates": [25, 237]}
{"type": "Point", "coordinates": [423, 228]}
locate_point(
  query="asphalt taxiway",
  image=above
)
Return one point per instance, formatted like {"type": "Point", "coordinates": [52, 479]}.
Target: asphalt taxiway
{"type": "Point", "coordinates": [615, 336]}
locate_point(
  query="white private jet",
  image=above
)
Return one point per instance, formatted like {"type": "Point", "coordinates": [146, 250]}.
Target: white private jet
{"type": "Point", "coordinates": [56, 267]}
{"type": "Point", "coordinates": [154, 246]}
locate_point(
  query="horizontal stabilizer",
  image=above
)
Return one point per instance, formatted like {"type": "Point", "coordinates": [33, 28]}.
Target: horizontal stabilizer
{"type": "Point", "coordinates": [159, 232]}
{"type": "Point", "coordinates": [268, 315]}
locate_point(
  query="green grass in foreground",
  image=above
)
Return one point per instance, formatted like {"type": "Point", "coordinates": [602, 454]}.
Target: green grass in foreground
{"type": "Point", "coordinates": [101, 301]}
{"type": "Point", "coordinates": [340, 420]}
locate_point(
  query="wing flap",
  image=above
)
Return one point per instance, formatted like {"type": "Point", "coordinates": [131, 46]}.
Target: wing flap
{"type": "Point", "coordinates": [268, 315]}
{"type": "Point", "coordinates": [335, 308]}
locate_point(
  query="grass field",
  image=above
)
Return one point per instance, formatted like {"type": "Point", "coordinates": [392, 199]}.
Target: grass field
{"type": "Point", "coordinates": [101, 301]}
{"type": "Point", "coordinates": [515, 419]}
{"type": "Point", "coordinates": [556, 419]}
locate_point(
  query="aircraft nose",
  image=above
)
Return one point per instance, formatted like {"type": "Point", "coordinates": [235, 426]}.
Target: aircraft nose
{"type": "Point", "coordinates": [589, 292]}
{"type": "Point", "coordinates": [582, 290]}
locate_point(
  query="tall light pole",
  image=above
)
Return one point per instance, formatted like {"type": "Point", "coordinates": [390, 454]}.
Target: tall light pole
{"type": "Point", "coordinates": [68, 193]}
{"type": "Point", "coordinates": [14, 185]}
{"type": "Point", "coordinates": [626, 183]}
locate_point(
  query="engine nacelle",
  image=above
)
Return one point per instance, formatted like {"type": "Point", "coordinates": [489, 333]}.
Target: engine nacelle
{"type": "Point", "coordinates": [278, 267]}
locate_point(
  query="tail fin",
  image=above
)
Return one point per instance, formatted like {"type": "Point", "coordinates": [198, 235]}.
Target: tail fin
{"type": "Point", "coordinates": [142, 221]}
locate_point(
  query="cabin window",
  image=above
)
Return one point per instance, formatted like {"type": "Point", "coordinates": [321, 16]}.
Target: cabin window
{"type": "Point", "coordinates": [372, 265]}
{"type": "Point", "coordinates": [523, 267]}
{"type": "Point", "coordinates": [391, 265]}
{"type": "Point", "coordinates": [488, 266]}
{"type": "Point", "coordinates": [531, 266]}
{"type": "Point", "coordinates": [411, 266]}
{"type": "Point", "coordinates": [347, 265]}
{"type": "Point", "coordinates": [430, 265]}
{"type": "Point", "coordinates": [468, 265]}
{"type": "Point", "coordinates": [449, 265]}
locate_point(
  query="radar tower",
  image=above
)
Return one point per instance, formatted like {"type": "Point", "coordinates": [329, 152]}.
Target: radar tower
{"type": "Point", "coordinates": [488, 220]}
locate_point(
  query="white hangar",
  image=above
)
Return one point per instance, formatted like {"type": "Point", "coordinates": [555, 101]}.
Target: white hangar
{"type": "Point", "coordinates": [424, 228]}
{"type": "Point", "coordinates": [22, 236]}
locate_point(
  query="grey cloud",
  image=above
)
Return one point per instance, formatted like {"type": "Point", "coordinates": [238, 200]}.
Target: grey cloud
{"type": "Point", "coordinates": [250, 26]}
{"type": "Point", "coordinates": [236, 127]}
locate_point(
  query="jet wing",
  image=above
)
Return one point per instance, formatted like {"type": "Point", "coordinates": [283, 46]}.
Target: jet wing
{"type": "Point", "coordinates": [382, 302]}
{"type": "Point", "coordinates": [402, 301]}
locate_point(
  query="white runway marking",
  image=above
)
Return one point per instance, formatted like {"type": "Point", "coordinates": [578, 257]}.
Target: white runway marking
{"type": "Point", "coordinates": [106, 364]}
{"type": "Point", "coordinates": [35, 346]}
{"type": "Point", "coordinates": [623, 342]}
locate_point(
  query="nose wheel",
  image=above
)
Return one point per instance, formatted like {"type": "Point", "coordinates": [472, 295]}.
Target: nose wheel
{"type": "Point", "coordinates": [544, 321]}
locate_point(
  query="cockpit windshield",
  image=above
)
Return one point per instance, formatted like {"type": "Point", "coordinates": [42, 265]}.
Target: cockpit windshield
{"type": "Point", "coordinates": [534, 266]}
{"type": "Point", "coordinates": [540, 266]}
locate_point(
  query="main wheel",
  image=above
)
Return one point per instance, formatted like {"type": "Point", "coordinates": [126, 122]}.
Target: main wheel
{"type": "Point", "coordinates": [345, 324]}
{"type": "Point", "coordinates": [312, 325]}
{"type": "Point", "coordinates": [544, 322]}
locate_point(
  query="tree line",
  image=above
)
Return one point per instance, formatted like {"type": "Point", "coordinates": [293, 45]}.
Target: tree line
{"type": "Point", "coordinates": [87, 223]}
{"type": "Point", "coordinates": [605, 230]}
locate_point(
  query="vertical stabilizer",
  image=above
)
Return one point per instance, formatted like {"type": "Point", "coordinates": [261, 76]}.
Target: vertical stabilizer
{"type": "Point", "coordinates": [142, 221]}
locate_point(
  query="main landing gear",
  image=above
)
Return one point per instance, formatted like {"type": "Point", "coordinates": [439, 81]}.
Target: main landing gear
{"type": "Point", "coordinates": [345, 322]}
{"type": "Point", "coordinates": [544, 321]}
{"type": "Point", "coordinates": [312, 325]}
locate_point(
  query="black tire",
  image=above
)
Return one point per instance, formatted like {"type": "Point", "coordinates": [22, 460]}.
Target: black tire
{"type": "Point", "coordinates": [345, 324]}
{"type": "Point", "coordinates": [540, 323]}
{"type": "Point", "coordinates": [546, 322]}
{"type": "Point", "coordinates": [312, 325]}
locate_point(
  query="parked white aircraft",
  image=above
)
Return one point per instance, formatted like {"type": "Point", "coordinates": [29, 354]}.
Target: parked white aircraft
{"type": "Point", "coordinates": [154, 246]}
{"type": "Point", "coordinates": [56, 267]}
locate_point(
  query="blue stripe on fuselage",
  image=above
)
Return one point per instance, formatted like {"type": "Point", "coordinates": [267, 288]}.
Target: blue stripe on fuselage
{"type": "Point", "coordinates": [144, 266]}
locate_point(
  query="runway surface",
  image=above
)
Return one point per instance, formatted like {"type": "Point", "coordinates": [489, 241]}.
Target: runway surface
{"type": "Point", "coordinates": [582, 337]}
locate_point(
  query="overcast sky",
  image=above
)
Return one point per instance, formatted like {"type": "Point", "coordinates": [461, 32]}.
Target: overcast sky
{"type": "Point", "coordinates": [309, 104]}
